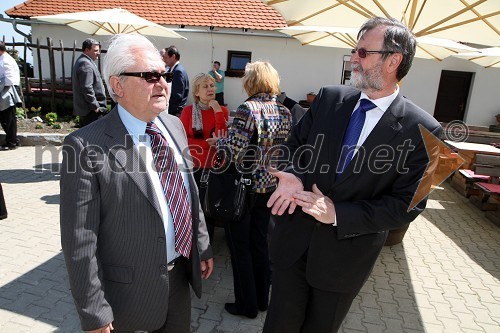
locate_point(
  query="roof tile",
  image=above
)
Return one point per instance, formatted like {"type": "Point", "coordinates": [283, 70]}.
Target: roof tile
{"type": "Point", "coordinates": [250, 14]}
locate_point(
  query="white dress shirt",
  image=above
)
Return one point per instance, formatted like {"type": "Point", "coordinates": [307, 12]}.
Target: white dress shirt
{"type": "Point", "coordinates": [137, 129]}
{"type": "Point", "coordinates": [9, 70]}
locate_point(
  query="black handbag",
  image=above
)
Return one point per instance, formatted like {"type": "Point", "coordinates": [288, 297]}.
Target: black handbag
{"type": "Point", "coordinates": [226, 192]}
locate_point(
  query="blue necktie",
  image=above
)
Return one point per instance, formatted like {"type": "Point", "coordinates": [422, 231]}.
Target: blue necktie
{"type": "Point", "coordinates": [352, 134]}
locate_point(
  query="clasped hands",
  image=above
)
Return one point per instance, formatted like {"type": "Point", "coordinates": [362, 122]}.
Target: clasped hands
{"type": "Point", "coordinates": [290, 193]}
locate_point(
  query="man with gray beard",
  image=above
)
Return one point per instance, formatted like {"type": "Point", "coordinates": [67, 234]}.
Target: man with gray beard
{"type": "Point", "coordinates": [334, 216]}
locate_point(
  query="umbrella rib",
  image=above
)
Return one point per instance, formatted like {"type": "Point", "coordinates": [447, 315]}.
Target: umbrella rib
{"type": "Point", "coordinates": [427, 31]}
{"type": "Point", "coordinates": [449, 17]}
{"type": "Point", "coordinates": [413, 19]}
{"type": "Point", "coordinates": [479, 15]}
{"type": "Point", "coordinates": [274, 2]}
{"type": "Point", "coordinates": [102, 26]}
{"type": "Point", "coordinates": [296, 22]}
{"type": "Point", "coordinates": [360, 10]}
{"type": "Point", "coordinates": [493, 64]}
{"type": "Point", "coordinates": [379, 7]}
{"type": "Point", "coordinates": [334, 35]}
{"type": "Point", "coordinates": [428, 52]}
{"type": "Point", "coordinates": [347, 39]}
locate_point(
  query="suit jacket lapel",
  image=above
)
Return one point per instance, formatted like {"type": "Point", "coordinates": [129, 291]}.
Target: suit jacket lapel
{"type": "Point", "coordinates": [387, 127]}
{"type": "Point", "coordinates": [121, 146]}
{"type": "Point", "coordinates": [342, 114]}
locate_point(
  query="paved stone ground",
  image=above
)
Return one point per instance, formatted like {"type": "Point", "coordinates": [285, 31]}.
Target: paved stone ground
{"type": "Point", "coordinates": [444, 277]}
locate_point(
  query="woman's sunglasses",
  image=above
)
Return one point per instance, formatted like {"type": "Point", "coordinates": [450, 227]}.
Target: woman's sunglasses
{"type": "Point", "coordinates": [362, 53]}
{"type": "Point", "coordinates": [151, 77]}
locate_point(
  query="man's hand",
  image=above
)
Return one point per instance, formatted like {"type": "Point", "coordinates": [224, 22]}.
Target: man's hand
{"type": "Point", "coordinates": [207, 267]}
{"type": "Point", "coordinates": [216, 136]}
{"type": "Point", "coordinates": [316, 204]}
{"type": "Point", "coordinates": [282, 197]}
{"type": "Point", "coordinates": [106, 329]}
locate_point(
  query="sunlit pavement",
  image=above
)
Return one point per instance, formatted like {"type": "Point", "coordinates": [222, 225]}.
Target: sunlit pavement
{"type": "Point", "coordinates": [444, 277]}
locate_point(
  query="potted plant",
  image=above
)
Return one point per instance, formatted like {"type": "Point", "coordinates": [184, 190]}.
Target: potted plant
{"type": "Point", "coordinates": [310, 97]}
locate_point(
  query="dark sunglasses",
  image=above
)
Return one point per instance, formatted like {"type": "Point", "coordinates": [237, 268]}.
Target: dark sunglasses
{"type": "Point", "coordinates": [362, 53]}
{"type": "Point", "coordinates": [151, 77]}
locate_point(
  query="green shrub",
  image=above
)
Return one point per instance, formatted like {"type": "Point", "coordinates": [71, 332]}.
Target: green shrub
{"type": "Point", "coordinates": [39, 126]}
{"type": "Point", "coordinates": [57, 126]}
{"type": "Point", "coordinates": [20, 114]}
{"type": "Point", "coordinates": [76, 120]}
{"type": "Point", "coordinates": [51, 118]}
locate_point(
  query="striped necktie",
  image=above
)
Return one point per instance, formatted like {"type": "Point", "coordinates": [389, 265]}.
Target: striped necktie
{"type": "Point", "coordinates": [173, 188]}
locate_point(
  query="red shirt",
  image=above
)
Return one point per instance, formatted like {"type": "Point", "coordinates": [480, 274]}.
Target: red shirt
{"type": "Point", "coordinates": [212, 121]}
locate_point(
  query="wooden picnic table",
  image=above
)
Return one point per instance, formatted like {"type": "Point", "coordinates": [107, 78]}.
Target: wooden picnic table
{"type": "Point", "coordinates": [468, 151]}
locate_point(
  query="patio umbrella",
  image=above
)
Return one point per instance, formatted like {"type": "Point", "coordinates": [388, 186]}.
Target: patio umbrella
{"type": "Point", "coordinates": [427, 47]}
{"type": "Point", "coordinates": [110, 22]}
{"type": "Point", "coordinates": [487, 58]}
{"type": "Point", "coordinates": [473, 21]}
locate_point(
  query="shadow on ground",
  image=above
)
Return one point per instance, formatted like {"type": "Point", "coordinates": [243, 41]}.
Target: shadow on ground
{"type": "Point", "coordinates": [388, 290]}
{"type": "Point", "coordinates": [468, 228]}
{"type": "Point", "coordinates": [39, 173]}
{"type": "Point", "coordinates": [43, 295]}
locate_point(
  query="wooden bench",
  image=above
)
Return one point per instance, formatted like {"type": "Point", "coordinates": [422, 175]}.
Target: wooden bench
{"type": "Point", "coordinates": [45, 87]}
{"type": "Point", "coordinates": [488, 197]}
{"type": "Point", "coordinates": [463, 181]}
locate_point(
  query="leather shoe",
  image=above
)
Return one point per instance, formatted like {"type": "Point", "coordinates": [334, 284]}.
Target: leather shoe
{"type": "Point", "coordinates": [233, 309]}
{"type": "Point", "coordinates": [6, 147]}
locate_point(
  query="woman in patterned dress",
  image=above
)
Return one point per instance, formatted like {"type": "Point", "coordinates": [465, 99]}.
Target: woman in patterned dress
{"type": "Point", "coordinates": [260, 123]}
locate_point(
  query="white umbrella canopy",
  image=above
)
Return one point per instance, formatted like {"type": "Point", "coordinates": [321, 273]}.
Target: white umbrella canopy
{"type": "Point", "coordinates": [110, 22]}
{"type": "Point", "coordinates": [472, 21]}
{"type": "Point", "coordinates": [487, 58]}
{"type": "Point", "coordinates": [427, 47]}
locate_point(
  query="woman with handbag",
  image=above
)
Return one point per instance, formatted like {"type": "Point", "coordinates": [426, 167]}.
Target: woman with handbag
{"type": "Point", "coordinates": [260, 123]}
{"type": "Point", "coordinates": [204, 121]}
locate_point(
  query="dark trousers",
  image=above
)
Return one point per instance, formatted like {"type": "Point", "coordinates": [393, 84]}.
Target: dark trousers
{"type": "Point", "coordinates": [89, 118]}
{"type": "Point", "coordinates": [219, 97]}
{"type": "Point", "coordinates": [179, 301]}
{"type": "Point", "coordinates": [298, 307]}
{"type": "Point", "coordinates": [3, 207]}
{"type": "Point", "coordinates": [9, 125]}
{"type": "Point", "coordinates": [201, 190]}
{"type": "Point", "coordinates": [247, 241]}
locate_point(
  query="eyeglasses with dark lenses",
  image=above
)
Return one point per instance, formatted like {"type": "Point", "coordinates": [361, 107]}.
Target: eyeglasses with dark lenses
{"type": "Point", "coordinates": [151, 77]}
{"type": "Point", "coordinates": [362, 52]}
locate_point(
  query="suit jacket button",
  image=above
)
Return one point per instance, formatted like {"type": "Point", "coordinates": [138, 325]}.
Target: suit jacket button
{"type": "Point", "coordinates": [161, 240]}
{"type": "Point", "coordinates": [163, 268]}
{"type": "Point", "coordinates": [318, 224]}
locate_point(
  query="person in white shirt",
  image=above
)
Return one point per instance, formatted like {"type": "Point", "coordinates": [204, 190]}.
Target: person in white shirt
{"type": "Point", "coordinates": [9, 97]}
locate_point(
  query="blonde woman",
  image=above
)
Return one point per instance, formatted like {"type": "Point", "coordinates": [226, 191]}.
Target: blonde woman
{"type": "Point", "coordinates": [260, 123]}
{"type": "Point", "coordinates": [204, 121]}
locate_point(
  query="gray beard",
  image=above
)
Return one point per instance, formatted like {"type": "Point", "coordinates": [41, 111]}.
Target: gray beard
{"type": "Point", "coordinates": [368, 80]}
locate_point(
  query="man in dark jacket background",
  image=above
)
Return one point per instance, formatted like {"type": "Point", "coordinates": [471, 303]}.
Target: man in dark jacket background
{"type": "Point", "coordinates": [89, 96]}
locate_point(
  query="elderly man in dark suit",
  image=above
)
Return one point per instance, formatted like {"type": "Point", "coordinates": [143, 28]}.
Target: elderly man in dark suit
{"type": "Point", "coordinates": [180, 81]}
{"type": "Point", "coordinates": [132, 231]}
{"type": "Point", "coordinates": [324, 250]}
{"type": "Point", "coordinates": [89, 96]}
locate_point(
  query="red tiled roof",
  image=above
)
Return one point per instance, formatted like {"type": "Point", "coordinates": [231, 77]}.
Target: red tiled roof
{"type": "Point", "coordinates": [250, 14]}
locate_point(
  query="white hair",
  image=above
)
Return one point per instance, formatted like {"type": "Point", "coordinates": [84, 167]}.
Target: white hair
{"type": "Point", "coordinates": [122, 54]}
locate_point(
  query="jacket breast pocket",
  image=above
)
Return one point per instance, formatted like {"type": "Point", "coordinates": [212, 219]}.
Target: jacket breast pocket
{"type": "Point", "coordinates": [116, 273]}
